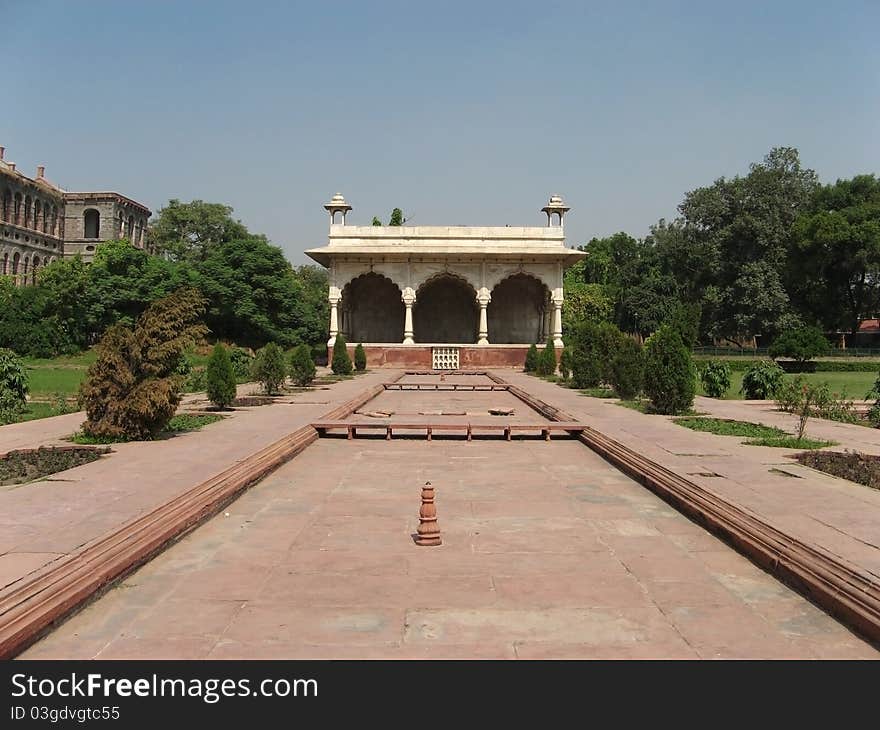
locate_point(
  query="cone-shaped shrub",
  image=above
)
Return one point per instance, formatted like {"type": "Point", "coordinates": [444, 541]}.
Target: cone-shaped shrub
{"type": "Point", "coordinates": [360, 358]}
{"type": "Point", "coordinates": [547, 359]}
{"type": "Point", "coordinates": [220, 377]}
{"type": "Point", "coordinates": [670, 378]}
{"type": "Point", "coordinates": [531, 364]}
{"type": "Point", "coordinates": [565, 363]}
{"type": "Point", "coordinates": [13, 386]}
{"type": "Point", "coordinates": [269, 368]}
{"type": "Point", "coordinates": [626, 369]}
{"type": "Point", "coordinates": [302, 367]}
{"type": "Point", "coordinates": [341, 363]}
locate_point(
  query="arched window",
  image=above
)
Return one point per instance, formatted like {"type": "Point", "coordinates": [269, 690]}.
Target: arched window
{"type": "Point", "coordinates": [91, 223]}
{"type": "Point", "coordinates": [15, 260]}
{"type": "Point", "coordinates": [5, 264]}
{"type": "Point", "coordinates": [27, 212]}
{"type": "Point", "coordinates": [16, 216]}
{"type": "Point", "coordinates": [38, 212]}
{"type": "Point", "coordinates": [34, 267]}
{"type": "Point", "coordinates": [129, 230]}
{"type": "Point", "coordinates": [7, 206]}
{"type": "Point", "coordinates": [46, 213]}
{"type": "Point", "coordinates": [24, 268]}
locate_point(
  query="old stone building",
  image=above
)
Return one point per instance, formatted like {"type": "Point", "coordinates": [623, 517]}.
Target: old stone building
{"type": "Point", "coordinates": [40, 222]}
{"type": "Point", "coordinates": [446, 296]}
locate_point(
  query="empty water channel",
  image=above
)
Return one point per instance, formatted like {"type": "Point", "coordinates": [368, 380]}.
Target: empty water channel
{"type": "Point", "coordinates": [548, 551]}
{"type": "Point", "coordinates": [453, 405]}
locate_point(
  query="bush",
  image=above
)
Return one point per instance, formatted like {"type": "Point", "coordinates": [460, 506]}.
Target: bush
{"type": "Point", "coordinates": [565, 363]}
{"type": "Point", "coordinates": [341, 363]}
{"type": "Point", "coordinates": [874, 410]}
{"type": "Point", "coordinates": [547, 359]}
{"type": "Point", "coordinates": [133, 388]}
{"type": "Point", "coordinates": [13, 387]}
{"type": "Point", "coordinates": [220, 377]}
{"type": "Point", "coordinates": [302, 367]}
{"type": "Point", "coordinates": [670, 378]}
{"type": "Point", "coordinates": [801, 344]}
{"type": "Point", "coordinates": [242, 360]}
{"type": "Point", "coordinates": [586, 370]}
{"type": "Point", "coordinates": [269, 369]}
{"type": "Point", "coordinates": [360, 358]}
{"type": "Point", "coordinates": [593, 345]}
{"type": "Point", "coordinates": [196, 381]}
{"type": "Point", "coordinates": [762, 381]}
{"type": "Point", "coordinates": [531, 364]}
{"type": "Point", "coordinates": [715, 376]}
{"type": "Point", "coordinates": [627, 368]}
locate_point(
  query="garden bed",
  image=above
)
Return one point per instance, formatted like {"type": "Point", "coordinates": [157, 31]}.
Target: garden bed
{"type": "Point", "coordinates": [756, 434]}
{"type": "Point", "coordinates": [246, 401]}
{"type": "Point", "coordinates": [26, 465]}
{"type": "Point", "coordinates": [851, 465]}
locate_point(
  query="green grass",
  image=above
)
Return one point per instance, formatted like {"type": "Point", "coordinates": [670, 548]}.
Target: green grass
{"type": "Point", "coordinates": [600, 393]}
{"type": "Point", "coordinates": [723, 427]}
{"type": "Point", "coordinates": [35, 411]}
{"type": "Point", "coordinates": [191, 422]}
{"type": "Point", "coordinates": [756, 433]}
{"type": "Point", "coordinates": [643, 405]}
{"type": "Point", "coordinates": [791, 442]}
{"type": "Point", "coordinates": [855, 384]}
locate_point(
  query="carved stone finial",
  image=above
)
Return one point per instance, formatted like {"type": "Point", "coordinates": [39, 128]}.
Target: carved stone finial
{"type": "Point", "coordinates": [429, 530]}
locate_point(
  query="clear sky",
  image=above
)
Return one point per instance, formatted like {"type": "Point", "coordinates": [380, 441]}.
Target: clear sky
{"type": "Point", "coordinates": [458, 112]}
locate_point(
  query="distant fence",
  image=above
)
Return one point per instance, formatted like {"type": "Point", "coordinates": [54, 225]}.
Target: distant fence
{"type": "Point", "coordinates": [763, 352]}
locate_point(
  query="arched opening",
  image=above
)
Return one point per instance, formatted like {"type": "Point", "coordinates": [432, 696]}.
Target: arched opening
{"type": "Point", "coordinates": [27, 212]}
{"type": "Point", "coordinates": [446, 310]}
{"type": "Point", "coordinates": [517, 310]}
{"type": "Point", "coordinates": [7, 206]}
{"type": "Point", "coordinates": [130, 229]}
{"type": "Point", "coordinates": [15, 259]}
{"type": "Point", "coordinates": [34, 266]}
{"type": "Point", "coordinates": [5, 264]}
{"type": "Point", "coordinates": [91, 223]}
{"type": "Point", "coordinates": [372, 310]}
{"type": "Point", "coordinates": [24, 268]}
{"type": "Point", "coordinates": [16, 215]}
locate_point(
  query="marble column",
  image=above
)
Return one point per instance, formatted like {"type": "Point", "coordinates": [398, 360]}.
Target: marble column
{"type": "Point", "coordinates": [409, 298]}
{"type": "Point", "coordinates": [557, 318]}
{"type": "Point", "coordinates": [334, 297]}
{"type": "Point", "coordinates": [484, 296]}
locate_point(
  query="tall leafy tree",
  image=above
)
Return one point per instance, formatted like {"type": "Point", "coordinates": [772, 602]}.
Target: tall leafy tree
{"type": "Point", "coordinates": [835, 254]}
{"type": "Point", "coordinates": [189, 231]}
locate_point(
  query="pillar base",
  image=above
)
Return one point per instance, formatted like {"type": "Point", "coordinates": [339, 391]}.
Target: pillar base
{"type": "Point", "coordinates": [483, 341]}
{"type": "Point", "coordinates": [408, 341]}
{"type": "Point", "coordinates": [558, 343]}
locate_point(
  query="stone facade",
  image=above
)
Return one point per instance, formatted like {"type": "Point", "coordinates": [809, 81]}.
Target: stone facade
{"type": "Point", "coordinates": [40, 222]}
{"type": "Point", "coordinates": [410, 287]}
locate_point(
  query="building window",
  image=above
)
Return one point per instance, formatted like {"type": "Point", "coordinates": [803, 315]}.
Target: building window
{"type": "Point", "coordinates": [91, 223]}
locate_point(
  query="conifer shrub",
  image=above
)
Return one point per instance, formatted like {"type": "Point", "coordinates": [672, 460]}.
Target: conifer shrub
{"type": "Point", "coordinates": [762, 380]}
{"type": "Point", "coordinates": [302, 367]}
{"type": "Point", "coordinates": [565, 363]}
{"type": "Point", "coordinates": [341, 362]}
{"type": "Point", "coordinates": [715, 376]}
{"type": "Point", "coordinates": [133, 388]}
{"type": "Point", "coordinates": [547, 359]}
{"type": "Point", "coordinates": [220, 377]}
{"type": "Point", "coordinates": [670, 378]}
{"type": "Point", "coordinates": [13, 386]}
{"type": "Point", "coordinates": [242, 360]}
{"type": "Point", "coordinates": [627, 368]}
{"type": "Point", "coordinates": [531, 364]}
{"type": "Point", "coordinates": [269, 368]}
{"type": "Point", "coordinates": [360, 358]}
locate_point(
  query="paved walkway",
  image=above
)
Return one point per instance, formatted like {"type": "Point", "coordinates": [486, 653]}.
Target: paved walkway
{"type": "Point", "coordinates": [45, 520]}
{"type": "Point", "coordinates": [548, 552]}
{"type": "Point", "coordinates": [836, 514]}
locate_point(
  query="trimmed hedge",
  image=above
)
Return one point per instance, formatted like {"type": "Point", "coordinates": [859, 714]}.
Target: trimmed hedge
{"type": "Point", "coordinates": [741, 364]}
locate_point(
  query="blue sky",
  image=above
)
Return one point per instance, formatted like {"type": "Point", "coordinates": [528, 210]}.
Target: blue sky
{"type": "Point", "coordinates": [458, 112]}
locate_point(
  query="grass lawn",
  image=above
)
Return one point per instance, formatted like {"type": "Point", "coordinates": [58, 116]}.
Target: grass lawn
{"type": "Point", "coordinates": [756, 433]}
{"type": "Point", "coordinates": [855, 384]}
{"type": "Point", "coordinates": [58, 375]}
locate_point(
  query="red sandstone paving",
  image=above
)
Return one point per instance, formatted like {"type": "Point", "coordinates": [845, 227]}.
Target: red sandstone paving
{"type": "Point", "coordinates": [318, 561]}
{"type": "Point", "coordinates": [44, 520]}
{"type": "Point", "coordinates": [838, 515]}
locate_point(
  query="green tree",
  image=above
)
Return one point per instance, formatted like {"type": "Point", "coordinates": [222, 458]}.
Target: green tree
{"type": "Point", "coordinates": [670, 379]}
{"type": "Point", "coordinates": [565, 363]}
{"type": "Point", "coordinates": [360, 358]}
{"type": "Point", "coordinates": [835, 258]}
{"type": "Point", "coordinates": [627, 368]}
{"type": "Point", "coordinates": [762, 381]}
{"type": "Point", "coordinates": [715, 376]}
{"type": "Point", "coordinates": [800, 344]}
{"type": "Point", "coordinates": [531, 363]}
{"type": "Point", "coordinates": [189, 231]}
{"type": "Point", "coordinates": [341, 362]}
{"type": "Point", "coordinates": [302, 367]}
{"type": "Point", "coordinates": [13, 387]}
{"type": "Point", "coordinates": [396, 218]}
{"type": "Point", "coordinates": [220, 377]}
{"type": "Point", "coordinates": [547, 359]}
{"type": "Point", "coordinates": [269, 368]}
{"type": "Point", "coordinates": [376, 221]}
{"type": "Point", "coordinates": [133, 388]}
